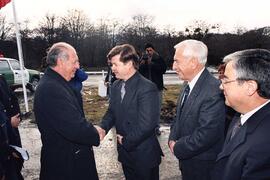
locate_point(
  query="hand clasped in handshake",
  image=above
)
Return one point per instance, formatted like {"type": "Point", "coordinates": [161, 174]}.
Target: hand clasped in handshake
{"type": "Point", "coordinates": [101, 132]}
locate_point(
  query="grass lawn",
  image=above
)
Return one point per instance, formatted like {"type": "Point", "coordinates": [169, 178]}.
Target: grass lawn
{"type": "Point", "coordinates": [95, 106]}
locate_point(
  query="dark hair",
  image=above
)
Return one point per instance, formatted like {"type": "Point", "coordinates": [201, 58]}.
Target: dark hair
{"type": "Point", "coordinates": [253, 64]}
{"type": "Point", "coordinates": [148, 45]}
{"type": "Point", "coordinates": [127, 53]}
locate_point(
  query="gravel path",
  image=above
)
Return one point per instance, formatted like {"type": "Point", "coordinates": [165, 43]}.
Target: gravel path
{"type": "Point", "coordinates": [106, 156]}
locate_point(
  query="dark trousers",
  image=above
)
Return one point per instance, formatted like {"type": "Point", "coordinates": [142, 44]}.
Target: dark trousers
{"type": "Point", "coordinates": [13, 169]}
{"type": "Point", "coordinates": [141, 173]}
{"type": "Point", "coordinates": [194, 169]}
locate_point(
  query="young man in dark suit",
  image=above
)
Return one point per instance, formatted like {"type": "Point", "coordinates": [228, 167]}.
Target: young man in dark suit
{"type": "Point", "coordinates": [196, 135]}
{"type": "Point", "coordinates": [246, 86]}
{"type": "Point", "coordinates": [134, 111]}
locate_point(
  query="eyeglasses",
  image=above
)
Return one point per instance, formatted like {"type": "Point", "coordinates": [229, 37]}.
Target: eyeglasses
{"type": "Point", "coordinates": [224, 81]}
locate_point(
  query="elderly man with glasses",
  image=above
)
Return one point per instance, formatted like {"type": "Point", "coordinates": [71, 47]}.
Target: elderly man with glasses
{"type": "Point", "coordinates": [246, 86]}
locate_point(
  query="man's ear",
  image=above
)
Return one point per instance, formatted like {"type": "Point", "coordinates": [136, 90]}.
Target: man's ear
{"type": "Point", "coordinates": [59, 62]}
{"type": "Point", "coordinates": [194, 63]}
{"type": "Point", "coordinates": [252, 87]}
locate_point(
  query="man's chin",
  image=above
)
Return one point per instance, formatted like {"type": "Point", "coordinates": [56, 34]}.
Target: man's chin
{"type": "Point", "coordinates": [226, 102]}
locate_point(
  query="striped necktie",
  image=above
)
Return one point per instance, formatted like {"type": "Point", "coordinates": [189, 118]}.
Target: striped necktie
{"type": "Point", "coordinates": [236, 127]}
{"type": "Point", "coordinates": [123, 90]}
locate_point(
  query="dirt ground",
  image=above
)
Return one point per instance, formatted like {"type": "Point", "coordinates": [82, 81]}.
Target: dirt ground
{"type": "Point", "coordinates": [106, 156]}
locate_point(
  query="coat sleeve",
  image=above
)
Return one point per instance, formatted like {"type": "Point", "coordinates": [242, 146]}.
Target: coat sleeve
{"type": "Point", "coordinates": [108, 120]}
{"type": "Point", "coordinates": [207, 133]}
{"type": "Point", "coordinates": [64, 117]}
{"type": "Point", "coordinates": [148, 117]}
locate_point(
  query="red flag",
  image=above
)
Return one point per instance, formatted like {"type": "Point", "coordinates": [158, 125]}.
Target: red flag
{"type": "Point", "coordinates": [3, 3]}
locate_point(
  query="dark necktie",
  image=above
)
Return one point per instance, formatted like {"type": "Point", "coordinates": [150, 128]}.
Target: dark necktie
{"type": "Point", "coordinates": [123, 90]}
{"type": "Point", "coordinates": [185, 96]}
{"type": "Point", "coordinates": [236, 127]}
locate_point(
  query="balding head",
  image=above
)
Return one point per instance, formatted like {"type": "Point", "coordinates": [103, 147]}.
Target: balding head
{"type": "Point", "coordinates": [63, 59]}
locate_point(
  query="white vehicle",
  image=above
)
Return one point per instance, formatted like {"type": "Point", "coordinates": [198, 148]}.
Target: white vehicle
{"type": "Point", "coordinates": [10, 69]}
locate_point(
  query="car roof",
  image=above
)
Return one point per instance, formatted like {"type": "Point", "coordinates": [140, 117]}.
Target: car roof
{"type": "Point", "coordinates": [7, 59]}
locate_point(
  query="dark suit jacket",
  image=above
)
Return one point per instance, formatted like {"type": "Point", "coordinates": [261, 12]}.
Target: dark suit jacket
{"type": "Point", "coordinates": [67, 138]}
{"type": "Point", "coordinates": [199, 129]}
{"type": "Point", "coordinates": [247, 154]}
{"type": "Point", "coordinates": [135, 119]}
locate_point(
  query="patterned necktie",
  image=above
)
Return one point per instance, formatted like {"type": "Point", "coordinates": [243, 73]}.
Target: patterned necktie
{"type": "Point", "coordinates": [123, 90]}
{"type": "Point", "coordinates": [236, 127]}
{"type": "Point", "coordinates": [185, 96]}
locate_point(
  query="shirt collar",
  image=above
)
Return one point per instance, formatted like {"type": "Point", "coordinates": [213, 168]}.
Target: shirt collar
{"type": "Point", "coordinates": [244, 117]}
{"type": "Point", "coordinates": [194, 80]}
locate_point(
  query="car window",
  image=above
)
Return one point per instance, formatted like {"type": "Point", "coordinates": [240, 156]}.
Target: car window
{"type": "Point", "coordinates": [4, 65]}
{"type": "Point", "coordinates": [15, 65]}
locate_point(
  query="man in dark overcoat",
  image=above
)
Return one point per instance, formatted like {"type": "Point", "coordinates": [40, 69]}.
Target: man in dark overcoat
{"type": "Point", "coordinates": [67, 138]}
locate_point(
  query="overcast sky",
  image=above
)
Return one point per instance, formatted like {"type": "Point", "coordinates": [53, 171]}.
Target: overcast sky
{"type": "Point", "coordinates": [175, 13]}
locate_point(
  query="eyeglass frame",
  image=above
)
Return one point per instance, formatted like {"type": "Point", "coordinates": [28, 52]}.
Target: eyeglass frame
{"type": "Point", "coordinates": [223, 81]}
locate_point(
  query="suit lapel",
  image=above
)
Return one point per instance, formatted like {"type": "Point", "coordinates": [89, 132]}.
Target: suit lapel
{"type": "Point", "coordinates": [246, 129]}
{"type": "Point", "coordinates": [193, 95]}
{"type": "Point", "coordinates": [232, 144]}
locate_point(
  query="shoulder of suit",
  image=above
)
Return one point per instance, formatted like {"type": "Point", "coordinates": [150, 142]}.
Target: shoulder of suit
{"type": "Point", "coordinates": [50, 85]}
{"type": "Point", "coordinates": [146, 84]}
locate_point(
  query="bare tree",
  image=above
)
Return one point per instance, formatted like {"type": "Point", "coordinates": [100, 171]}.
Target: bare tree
{"type": "Point", "coordinates": [49, 28]}
{"type": "Point", "coordinates": [5, 28]}
{"type": "Point", "coordinates": [77, 24]}
{"type": "Point", "coordinates": [139, 30]}
{"type": "Point", "coordinates": [200, 29]}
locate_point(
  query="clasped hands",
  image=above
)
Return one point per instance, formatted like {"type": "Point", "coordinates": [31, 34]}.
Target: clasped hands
{"type": "Point", "coordinates": [102, 134]}
{"type": "Point", "coordinates": [171, 145]}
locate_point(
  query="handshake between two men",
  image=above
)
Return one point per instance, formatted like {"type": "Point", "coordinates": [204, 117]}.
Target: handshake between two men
{"type": "Point", "coordinates": [102, 134]}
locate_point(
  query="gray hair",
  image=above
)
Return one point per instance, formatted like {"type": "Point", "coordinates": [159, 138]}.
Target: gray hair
{"type": "Point", "coordinates": [58, 51]}
{"type": "Point", "coordinates": [194, 48]}
{"type": "Point", "coordinates": [252, 64]}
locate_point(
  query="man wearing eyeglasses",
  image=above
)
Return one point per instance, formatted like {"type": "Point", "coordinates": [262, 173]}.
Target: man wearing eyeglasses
{"type": "Point", "coordinates": [246, 86]}
{"type": "Point", "coordinates": [197, 133]}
